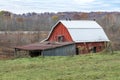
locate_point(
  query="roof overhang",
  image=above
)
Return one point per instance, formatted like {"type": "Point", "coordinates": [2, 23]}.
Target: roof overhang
{"type": "Point", "coordinates": [43, 46]}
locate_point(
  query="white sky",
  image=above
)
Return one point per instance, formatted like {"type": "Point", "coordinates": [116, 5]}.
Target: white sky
{"type": "Point", "coordinates": [25, 6]}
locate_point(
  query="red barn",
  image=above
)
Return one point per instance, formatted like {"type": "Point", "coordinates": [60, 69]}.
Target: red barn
{"type": "Point", "coordinates": [87, 35]}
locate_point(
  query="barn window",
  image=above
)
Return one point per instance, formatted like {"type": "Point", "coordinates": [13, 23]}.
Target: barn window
{"type": "Point", "coordinates": [60, 38]}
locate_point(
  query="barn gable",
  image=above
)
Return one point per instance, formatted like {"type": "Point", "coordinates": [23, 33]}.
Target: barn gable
{"type": "Point", "coordinates": [60, 31]}
{"type": "Point", "coordinates": [80, 31]}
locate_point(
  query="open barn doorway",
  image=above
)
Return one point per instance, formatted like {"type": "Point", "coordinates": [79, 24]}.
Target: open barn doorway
{"type": "Point", "coordinates": [77, 51]}
{"type": "Point", "coordinates": [35, 53]}
{"type": "Point", "coordinates": [94, 49]}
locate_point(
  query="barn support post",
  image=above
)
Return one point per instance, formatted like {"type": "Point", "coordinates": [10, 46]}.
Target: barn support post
{"type": "Point", "coordinates": [42, 53]}
{"type": "Point", "coordinates": [110, 47]}
{"type": "Point", "coordinates": [15, 52]}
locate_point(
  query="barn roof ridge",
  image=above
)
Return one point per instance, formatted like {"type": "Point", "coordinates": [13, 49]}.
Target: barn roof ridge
{"type": "Point", "coordinates": [87, 24]}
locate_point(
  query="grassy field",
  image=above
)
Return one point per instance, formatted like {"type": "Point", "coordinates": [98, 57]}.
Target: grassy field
{"type": "Point", "coordinates": [82, 67]}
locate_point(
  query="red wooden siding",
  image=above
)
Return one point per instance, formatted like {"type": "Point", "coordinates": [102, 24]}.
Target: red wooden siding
{"type": "Point", "coordinates": [60, 30]}
{"type": "Point", "coordinates": [88, 47]}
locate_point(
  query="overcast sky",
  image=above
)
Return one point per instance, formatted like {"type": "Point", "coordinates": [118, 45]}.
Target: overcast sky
{"type": "Point", "coordinates": [38, 6]}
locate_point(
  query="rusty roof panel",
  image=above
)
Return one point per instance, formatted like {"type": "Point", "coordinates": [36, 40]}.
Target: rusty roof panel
{"type": "Point", "coordinates": [43, 45]}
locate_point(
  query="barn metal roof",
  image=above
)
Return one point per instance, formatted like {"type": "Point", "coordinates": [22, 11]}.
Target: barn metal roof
{"type": "Point", "coordinates": [43, 45]}
{"type": "Point", "coordinates": [88, 35]}
{"type": "Point", "coordinates": [87, 24]}
{"type": "Point", "coordinates": [84, 30]}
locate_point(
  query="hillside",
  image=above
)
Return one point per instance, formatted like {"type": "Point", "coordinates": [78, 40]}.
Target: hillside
{"type": "Point", "coordinates": [110, 21]}
{"type": "Point", "coordinates": [82, 67]}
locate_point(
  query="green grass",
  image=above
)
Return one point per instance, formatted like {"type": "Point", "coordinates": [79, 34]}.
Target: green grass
{"type": "Point", "coordinates": [82, 67]}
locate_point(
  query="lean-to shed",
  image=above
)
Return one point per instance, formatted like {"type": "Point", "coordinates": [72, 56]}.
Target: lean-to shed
{"type": "Point", "coordinates": [48, 49]}
{"type": "Point", "coordinates": [88, 35]}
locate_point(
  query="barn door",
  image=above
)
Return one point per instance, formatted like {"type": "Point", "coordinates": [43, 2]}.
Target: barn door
{"type": "Point", "coordinates": [77, 51]}
{"type": "Point", "coordinates": [94, 49]}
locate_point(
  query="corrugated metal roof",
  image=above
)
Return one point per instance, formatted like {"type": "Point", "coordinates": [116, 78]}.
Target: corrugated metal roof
{"type": "Point", "coordinates": [88, 35]}
{"type": "Point", "coordinates": [80, 24]}
{"type": "Point", "coordinates": [85, 31]}
{"type": "Point", "coordinates": [43, 45]}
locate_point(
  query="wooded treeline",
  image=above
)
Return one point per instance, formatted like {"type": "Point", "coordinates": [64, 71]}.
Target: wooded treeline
{"type": "Point", "coordinates": [110, 21]}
